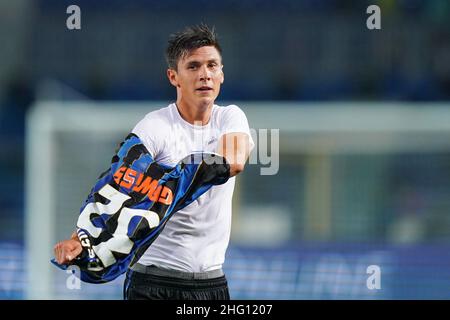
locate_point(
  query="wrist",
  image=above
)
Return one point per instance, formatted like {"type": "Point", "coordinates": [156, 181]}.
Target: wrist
{"type": "Point", "coordinates": [75, 237]}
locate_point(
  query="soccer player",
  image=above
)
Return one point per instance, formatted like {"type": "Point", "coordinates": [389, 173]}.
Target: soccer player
{"type": "Point", "coordinates": [185, 261]}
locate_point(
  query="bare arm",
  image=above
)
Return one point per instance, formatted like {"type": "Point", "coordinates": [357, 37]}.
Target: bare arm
{"type": "Point", "coordinates": [235, 147]}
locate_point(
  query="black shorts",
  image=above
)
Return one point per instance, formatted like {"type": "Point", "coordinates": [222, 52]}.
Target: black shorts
{"type": "Point", "coordinates": [142, 286]}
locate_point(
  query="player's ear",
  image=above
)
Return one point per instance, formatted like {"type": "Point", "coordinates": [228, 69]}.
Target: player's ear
{"type": "Point", "coordinates": [222, 75]}
{"type": "Point", "coordinates": [173, 77]}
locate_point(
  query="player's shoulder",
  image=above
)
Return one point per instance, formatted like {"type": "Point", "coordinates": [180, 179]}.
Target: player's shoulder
{"type": "Point", "coordinates": [155, 123]}
{"type": "Point", "coordinates": [228, 112]}
{"type": "Point", "coordinates": [227, 109]}
{"type": "Point", "coordinates": [158, 117]}
{"type": "Point", "coordinates": [159, 114]}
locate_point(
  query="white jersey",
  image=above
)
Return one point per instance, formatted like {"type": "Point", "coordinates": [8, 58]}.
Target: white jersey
{"type": "Point", "coordinates": [195, 238]}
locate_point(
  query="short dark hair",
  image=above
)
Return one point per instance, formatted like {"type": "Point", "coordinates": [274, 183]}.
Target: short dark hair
{"type": "Point", "coordinates": [192, 37]}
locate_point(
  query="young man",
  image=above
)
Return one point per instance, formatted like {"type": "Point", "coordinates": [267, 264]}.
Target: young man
{"type": "Point", "coordinates": [185, 261]}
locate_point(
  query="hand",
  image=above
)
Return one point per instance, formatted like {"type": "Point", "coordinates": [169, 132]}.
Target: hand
{"type": "Point", "coordinates": [67, 250]}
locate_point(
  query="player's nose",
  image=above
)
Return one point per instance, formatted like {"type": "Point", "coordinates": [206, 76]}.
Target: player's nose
{"type": "Point", "coordinates": [204, 74]}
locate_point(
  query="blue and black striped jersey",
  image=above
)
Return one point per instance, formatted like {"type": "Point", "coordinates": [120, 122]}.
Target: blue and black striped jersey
{"type": "Point", "coordinates": [132, 201]}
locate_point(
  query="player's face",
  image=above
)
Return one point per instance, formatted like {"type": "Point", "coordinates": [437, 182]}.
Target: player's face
{"type": "Point", "coordinates": [199, 76]}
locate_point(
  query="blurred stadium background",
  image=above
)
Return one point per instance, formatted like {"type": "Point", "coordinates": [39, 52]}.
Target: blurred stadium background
{"type": "Point", "coordinates": [364, 120]}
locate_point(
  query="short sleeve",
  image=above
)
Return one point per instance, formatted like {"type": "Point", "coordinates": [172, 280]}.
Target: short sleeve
{"type": "Point", "coordinates": [144, 131]}
{"type": "Point", "coordinates": [234, 120]}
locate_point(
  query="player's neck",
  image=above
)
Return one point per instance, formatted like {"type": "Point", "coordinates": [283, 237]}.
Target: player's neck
{"type": "Point", "coordinates": [197, 115]}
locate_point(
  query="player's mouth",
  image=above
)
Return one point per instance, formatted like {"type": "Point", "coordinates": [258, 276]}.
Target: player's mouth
{"type": "Point", "coordinates": [204, 89]}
